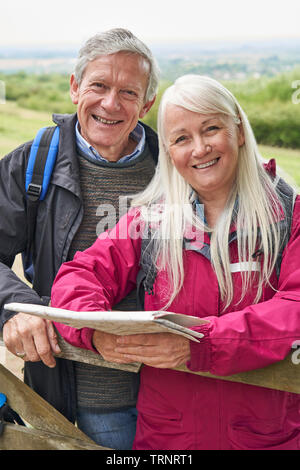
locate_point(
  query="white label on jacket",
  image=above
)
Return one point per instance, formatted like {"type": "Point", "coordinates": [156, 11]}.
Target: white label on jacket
{"type": "Point", "coordinates": [246, 266]}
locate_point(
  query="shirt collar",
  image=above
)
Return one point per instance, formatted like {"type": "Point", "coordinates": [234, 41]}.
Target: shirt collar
{"type": "Point", "coordinates": [138, 134]}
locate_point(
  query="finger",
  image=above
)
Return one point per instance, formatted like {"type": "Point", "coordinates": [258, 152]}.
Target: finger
{"type": "Point", "coordinates": [147, 351]}
{"type": "Point", "coordinates": [158, 362]}
{"type": "Point", "coordinates": [43, 349]}
{"type": "Point", "coordinates": [117, 359]}
{"type": "Point", "coordinates": [137, 340]}
{"type": "Point", "coordinates": [36, 344]}
{"type": "Point", "coordinates": [12, 339]}
{"type": "Point", "coordinates": [30, 348]}
{"type": "Point", "coordinates": [52, 336]}
{"type": "Point", "coordinates": [150, 361]}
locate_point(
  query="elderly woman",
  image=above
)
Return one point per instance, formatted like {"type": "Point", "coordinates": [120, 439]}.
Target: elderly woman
{"type": "Point", "coordinates": [218, 221]}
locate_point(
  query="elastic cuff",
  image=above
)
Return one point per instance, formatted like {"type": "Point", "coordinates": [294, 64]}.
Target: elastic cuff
{"type": "Point", "coordinates": [87, 339]}
{"type": "Point", "coordinates": [201, 352]}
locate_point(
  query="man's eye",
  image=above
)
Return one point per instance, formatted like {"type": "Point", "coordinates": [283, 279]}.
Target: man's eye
{"type": "Point", "coordinates": [129, 94]}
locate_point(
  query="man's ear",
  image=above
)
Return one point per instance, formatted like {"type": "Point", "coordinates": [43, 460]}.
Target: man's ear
{"type": "Point", "coordinates": [74, 89]}
{"type": "Point", "coordinates": [147, 106]}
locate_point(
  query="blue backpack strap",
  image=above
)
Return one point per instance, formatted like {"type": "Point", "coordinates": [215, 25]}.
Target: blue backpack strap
{"type": "Point", "coordinates": [7, 414]}
{"type": "Point", "coordinates": [40, 165]}
{"type": "Point", "coordinates": [41, 162]}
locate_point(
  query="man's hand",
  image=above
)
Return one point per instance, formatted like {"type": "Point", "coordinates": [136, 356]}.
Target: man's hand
{"type": "Point", "coordinates": [31, 338]}
{"type": "Point", "coordinates": [162, 350]}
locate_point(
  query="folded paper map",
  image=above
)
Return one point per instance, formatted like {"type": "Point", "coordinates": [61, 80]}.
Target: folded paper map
{"type": "Point", "coordinates": [117, 322]}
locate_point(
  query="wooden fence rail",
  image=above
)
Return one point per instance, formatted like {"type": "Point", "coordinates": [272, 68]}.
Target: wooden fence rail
{"type": "Point", "coordinates": [51, 430]}
{"type": "Point", "coordinates": [283, 375]}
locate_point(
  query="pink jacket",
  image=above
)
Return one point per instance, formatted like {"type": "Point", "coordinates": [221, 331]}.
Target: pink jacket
{"type": "Point", "coordinates": [179, 410]}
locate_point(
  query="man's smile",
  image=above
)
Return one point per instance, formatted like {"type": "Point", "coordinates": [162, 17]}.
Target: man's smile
{"type": "Point", "coordinates": [104, 121]}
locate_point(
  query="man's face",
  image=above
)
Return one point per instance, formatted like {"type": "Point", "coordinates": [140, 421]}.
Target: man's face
{"type": "Point", "coordinates": [110, 99]}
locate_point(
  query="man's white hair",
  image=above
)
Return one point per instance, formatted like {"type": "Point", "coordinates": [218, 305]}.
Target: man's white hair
{"type": "Point", "coordinates": [113, 41]}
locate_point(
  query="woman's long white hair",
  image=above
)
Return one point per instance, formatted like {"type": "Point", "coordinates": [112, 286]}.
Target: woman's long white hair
{"type": "Point", "coordinates": [167, 202]}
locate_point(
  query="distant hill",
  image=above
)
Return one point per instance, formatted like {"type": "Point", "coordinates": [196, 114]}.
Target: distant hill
{"type": "Point", "coordinates": [224, 60]}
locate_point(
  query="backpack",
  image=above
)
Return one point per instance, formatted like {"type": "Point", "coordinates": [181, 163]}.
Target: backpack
{"type": "Point", "coordinates": [37, 178]}
{"type": "Point", "coordinates": [147, 273]}
{"type": "Point", "coordinates": [7, 414]}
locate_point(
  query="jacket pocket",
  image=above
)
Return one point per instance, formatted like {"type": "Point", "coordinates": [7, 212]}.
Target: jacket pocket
{"type": "Point", "coordinates": [257, 436]}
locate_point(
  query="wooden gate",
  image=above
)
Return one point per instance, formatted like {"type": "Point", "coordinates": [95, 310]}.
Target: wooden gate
{"type": "Point", "coordinates": [48, 429]}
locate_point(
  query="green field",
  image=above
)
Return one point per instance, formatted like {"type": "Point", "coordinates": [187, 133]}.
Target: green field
{"type": "Point", "coordinates": [18, 125]}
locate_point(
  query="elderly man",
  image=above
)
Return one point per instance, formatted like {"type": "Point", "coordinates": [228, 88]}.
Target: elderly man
{"type": "Point", "coordinates": [104, 153]}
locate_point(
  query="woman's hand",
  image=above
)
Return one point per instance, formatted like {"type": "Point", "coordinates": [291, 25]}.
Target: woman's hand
{"type": "Point", "coordinates": [106, 345]}
{"type": "Point", "coordinates": [162, 350]}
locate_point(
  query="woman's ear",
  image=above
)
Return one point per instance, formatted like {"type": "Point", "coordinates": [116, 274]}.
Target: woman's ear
{"type": "Point", "coordinates": [241, 136]}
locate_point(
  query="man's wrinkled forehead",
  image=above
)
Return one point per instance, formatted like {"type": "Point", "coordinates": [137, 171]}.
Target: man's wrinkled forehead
{"type": "Point", "coordinates": [144, 62]}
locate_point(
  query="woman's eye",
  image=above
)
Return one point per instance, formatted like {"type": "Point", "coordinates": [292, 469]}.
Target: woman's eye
{"type": "Point", "coordinates": [180, 139]}
{"type": "Point", "coordinates": [212, 128]}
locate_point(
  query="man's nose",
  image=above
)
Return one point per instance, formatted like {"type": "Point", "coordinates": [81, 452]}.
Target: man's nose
{"type": "Point", "coordinates": [110, 101]}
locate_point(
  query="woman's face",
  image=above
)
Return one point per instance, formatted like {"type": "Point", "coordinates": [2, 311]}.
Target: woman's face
{"type": "Point", "coordinates": [204, 149]}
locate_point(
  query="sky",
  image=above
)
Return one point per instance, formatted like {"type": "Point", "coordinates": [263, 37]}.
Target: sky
{"type": "Point", "coordinates": [66, 22]}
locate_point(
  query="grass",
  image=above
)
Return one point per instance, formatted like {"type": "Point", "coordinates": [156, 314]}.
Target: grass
{"type": "Point", "coordinates": [287, 162]}
{"type": "Point", "coordinates": [18, 125]}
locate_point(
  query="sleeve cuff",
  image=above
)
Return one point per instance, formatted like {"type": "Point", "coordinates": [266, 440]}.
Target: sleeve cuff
{"type": "Point", "coordinates": [87, 339]}
{"type": "Point", "coordinates": [201, 351]}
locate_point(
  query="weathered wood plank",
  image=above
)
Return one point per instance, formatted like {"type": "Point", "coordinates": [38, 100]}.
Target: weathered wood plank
{"type": "Point", "coordinates": [89, 357]}
{"type": "Point", "coordinates": [282, 375]}
{"type": "Point", "coordinates": [35, 410]}
{"type": "Point", "coordinates": [17, 437]}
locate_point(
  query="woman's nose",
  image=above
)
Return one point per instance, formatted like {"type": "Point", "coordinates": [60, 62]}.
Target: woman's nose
{"type": "Point", "coordinates": [201, 148]}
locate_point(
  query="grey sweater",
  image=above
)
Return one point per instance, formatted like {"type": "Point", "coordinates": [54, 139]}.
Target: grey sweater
{"type": "Point", "coordinates": [102, 184]}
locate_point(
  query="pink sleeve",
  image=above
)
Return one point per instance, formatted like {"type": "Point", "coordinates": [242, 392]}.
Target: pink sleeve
{"type": "Point", "coordinates": [260, 334]}
{"type": "Point", "coordinates": [99, 277]}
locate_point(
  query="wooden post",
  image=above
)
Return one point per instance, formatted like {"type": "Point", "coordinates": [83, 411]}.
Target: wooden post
{"type": "Point", "coordinates": [38, 413]}
{"type": "Point", "coordinates": [17, 437]}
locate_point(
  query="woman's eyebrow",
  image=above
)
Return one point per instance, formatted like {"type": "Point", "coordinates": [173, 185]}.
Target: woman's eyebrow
{"type": "Point", "coordinates": [183, 129]}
